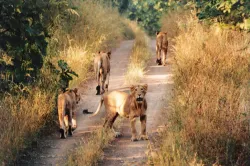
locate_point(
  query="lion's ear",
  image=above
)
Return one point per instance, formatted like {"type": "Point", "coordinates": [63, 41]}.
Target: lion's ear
{"type": "Point", "coordinates": [109, 54]}
{"type": "Point", "coordinates": [75, 90]}
{"type": "Point", "coordinates": [145, 86]}
{"type": "Point", "coordinates": [132, 88]}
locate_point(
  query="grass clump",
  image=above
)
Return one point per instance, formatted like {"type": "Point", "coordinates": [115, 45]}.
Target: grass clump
{"type": "Point", "coordinates": [208, 120]}
{"type": "Point", "coordinates": [90, 151]}
{"type": "Point", "coordinates": [139, 56]}
{"type": "Point", "coordinates": [21, 119]}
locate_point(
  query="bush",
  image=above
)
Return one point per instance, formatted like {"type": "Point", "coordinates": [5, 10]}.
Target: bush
{"type": "Point", "coordinates": [25, 27]}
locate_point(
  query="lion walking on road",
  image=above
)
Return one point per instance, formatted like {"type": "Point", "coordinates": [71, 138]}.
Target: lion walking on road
{"type": "Point", "coordinates": [102, 71]}
{"type": "Point", "coordinates": [161, 47]}
{"type": "Point", "coordinates": [66, 111]}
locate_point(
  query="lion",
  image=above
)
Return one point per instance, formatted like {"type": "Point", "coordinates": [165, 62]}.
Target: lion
{"type": "Point", "coordinates": [102, 71]}
{"type": "Point", "coordinates": [131, 106]}
{"type": "Point", "coordinates": [161, 47]}
{"type": "Point", "coordinates": [66, 111]}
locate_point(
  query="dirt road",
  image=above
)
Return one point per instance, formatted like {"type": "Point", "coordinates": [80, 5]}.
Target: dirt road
{"type": "Point", "coordinates": [123, 151]}
{"type": "Point", "coordinates": [52, 150]}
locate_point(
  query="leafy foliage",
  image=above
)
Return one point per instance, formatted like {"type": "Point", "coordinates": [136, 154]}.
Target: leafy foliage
{"type": "Point", "coordinates": [122, 5]}
{"type": "Point", "coordinates": [147, 13]}
{"type": "Point", "coordinates": [24, 29]}
{"type": "Point", "coordinates": [65, 75]}
{"type": "Point", "coordinates": [230, 12]}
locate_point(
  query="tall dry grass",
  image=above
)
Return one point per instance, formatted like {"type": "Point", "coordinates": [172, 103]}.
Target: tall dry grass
{"type": "Point", "coordinates": [21, 119]}
{"type": "Point", "coordinates": [173, 22]}
{"type": "Point", "coordinates": [92, 27]}
{"type": "Point", "coordinates": [139, 56]}
{"type": "Point", "coordinates": [208, 120]}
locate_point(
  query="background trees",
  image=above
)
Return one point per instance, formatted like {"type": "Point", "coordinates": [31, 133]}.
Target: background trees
{"type": "Point", "coordinates": [234, 13]}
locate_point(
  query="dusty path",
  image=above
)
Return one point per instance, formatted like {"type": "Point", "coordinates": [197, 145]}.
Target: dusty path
{"type": "Point", "coordinates": [52, 150]}
{"type": "Point", "coordinates": [123, 151]}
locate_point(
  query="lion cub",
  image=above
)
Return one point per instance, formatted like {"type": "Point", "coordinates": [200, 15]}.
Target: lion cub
{"type": "Point", "coordinates": [161, 47]}
{"type": "Point", "coordinates": [131, 106]}
{"type": "Point", "coordinates": [102, 71]}
{"type": "Point", "coordinates": [66, 111]}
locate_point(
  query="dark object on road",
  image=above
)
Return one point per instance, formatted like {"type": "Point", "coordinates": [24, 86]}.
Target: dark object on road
{"type": "Point", "coordinates": [86, 111]}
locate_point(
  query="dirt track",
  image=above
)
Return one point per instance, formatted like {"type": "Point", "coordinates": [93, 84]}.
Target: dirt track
{"type": "Point", "coordinates": [52, 150]}
{"type": "Point", "coordinates": [123, 151]}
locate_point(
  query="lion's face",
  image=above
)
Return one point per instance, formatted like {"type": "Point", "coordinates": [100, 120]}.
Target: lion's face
{"type": "Point", "coordinates": [139, 92]}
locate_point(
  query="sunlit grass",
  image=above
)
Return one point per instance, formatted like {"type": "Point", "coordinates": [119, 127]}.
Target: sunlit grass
{"type": "Point", "coordinates": [90, 150]}
{"type": "Point", "coordinates": [21, 118]}
{"type": "Point", "coordinates": [208, 115]}
{"type": "Point", "coordinates": [139, 56]}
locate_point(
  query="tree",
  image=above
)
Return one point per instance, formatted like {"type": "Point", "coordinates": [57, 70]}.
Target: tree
{"type": "Point", "coordinates": [147, 13]}
{"type": "Point", "coordinates": [24, 29]}
{"type": "Point", "coordinates": [233, 12]}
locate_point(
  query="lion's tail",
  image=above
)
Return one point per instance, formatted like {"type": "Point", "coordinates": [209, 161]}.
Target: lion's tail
{"type": "Point", "coordinates": [99, 107]}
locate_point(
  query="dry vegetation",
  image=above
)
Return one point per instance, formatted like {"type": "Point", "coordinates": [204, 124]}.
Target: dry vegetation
{"type": "Point", "coordinates": [95, 27]}
{"type": "Point", "coordinates": [21, 118]}
{"type": "Point", "coordinates": [90, 150]}
{"type": "Point", "coordinates": [139, 56]}
{"type": "Point", "coordinates": [208, 120]}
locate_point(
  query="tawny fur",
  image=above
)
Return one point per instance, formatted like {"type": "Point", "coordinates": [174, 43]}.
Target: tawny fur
{"type": "Point", "coordinates": [66, 111]}
{"type": "Point", "coordinates": [161, 46]}
{"type": "Point", "coordinates": [102, 70]}
{"type": "Point", "coordinates": [131, 106]}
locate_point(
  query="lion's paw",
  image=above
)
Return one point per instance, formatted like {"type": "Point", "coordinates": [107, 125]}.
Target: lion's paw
{"type": "Point", "coordinates": [143, 137]}
{"type": "Point", "coordinates": [70, 133]}
{"type": "Point", "coordinates": [62, 134]}
{"type": "Point", "coordinates": [134, 139]}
